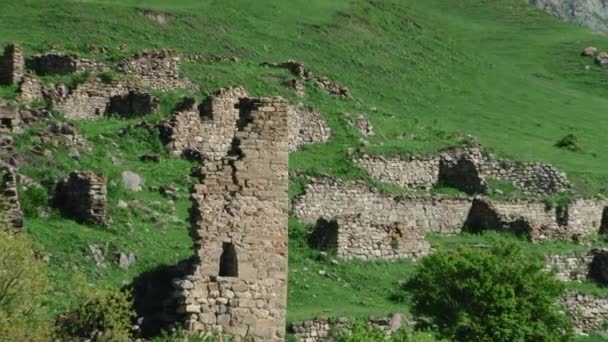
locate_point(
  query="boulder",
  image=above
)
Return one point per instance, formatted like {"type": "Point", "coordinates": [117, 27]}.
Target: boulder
{"type": "Point", "coordinates": [589, 52]}
{"type": "Point", "coordinates": [132, 181]}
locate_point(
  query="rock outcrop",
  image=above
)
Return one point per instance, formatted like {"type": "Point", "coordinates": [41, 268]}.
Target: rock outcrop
{"type": "Point", "coordinates": [588, 13]}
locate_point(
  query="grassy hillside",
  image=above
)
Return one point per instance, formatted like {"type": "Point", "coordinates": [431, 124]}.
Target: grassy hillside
{"type": "Point", "coordinates": [426, 72]}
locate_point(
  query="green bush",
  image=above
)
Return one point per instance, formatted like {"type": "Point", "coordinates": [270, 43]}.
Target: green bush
{"type": "Point", "coordinates": [32, 200]}
{"type": "Point", "coordinates": [569, 142]}
{"type": "Point", "coordinates": [23, 289]}
{"type": "Point", "coordinates": [494, 294]}
{"type": "Point", "coordinates": [102, 315]}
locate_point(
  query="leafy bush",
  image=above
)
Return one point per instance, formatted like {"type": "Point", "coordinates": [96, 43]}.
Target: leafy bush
{"type": "Point", "coordinates": [103, 315]}
{"type": "Point", "coordinates": [569, 142]}
{"type": "Point", "coordinates": [23, 288]}
{"type": "Point", "coordinates": [494, 294]}
{"type": "Point", "coordinates": [32, 200]}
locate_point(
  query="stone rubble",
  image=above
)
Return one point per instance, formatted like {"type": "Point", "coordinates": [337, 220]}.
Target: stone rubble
{"type": "Point", "coordinates": [298, 69]}
{"type": "Point", "coordinates": [588, 313]}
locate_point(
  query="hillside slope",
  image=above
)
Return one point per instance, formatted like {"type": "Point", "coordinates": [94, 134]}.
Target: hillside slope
{"type": "Point", "coordinates": [427, 73]}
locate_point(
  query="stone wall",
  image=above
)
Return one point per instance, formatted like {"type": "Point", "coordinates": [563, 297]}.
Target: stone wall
{"type": "Point", "coordinates": [569, 267]}
{"type": "Point", "coordinates": [8, 190]}
{"type": "Point", "coordinates": [239, 282]}
{"type": "Point", "coordinates": [306, 126]}
{"type": "Point", "coordinates": [319, 329]}
{"type": "Point", "coordinates": [89, 100]}
{"type": "Point", "coordinates": [57, 63]}
{"type": "Point", "coordinates": [134, 103]}
{"type": "Point", "coordinates": [82, 197]}
{"type": "Point", "coordinates": [30, 89]}
{"type": "Point", "coordinates": [588, 313]}
{"type": "Point", "coordinates": [466, 169]}
{"type": "Point", "coordinates": [157, 69]}
{"type": "Point", "coordinates": [10, 118]}
{"type": "Point", "coordinates": [355, 237]}
{"type": "Point", "coordinates": [327, 198]}
{"type": "Point", "coordinates": [536, 220]}
{"type": "Point", "coordinates": [11, 65]}
{"type": "Point", "coordinates": [207, 128]}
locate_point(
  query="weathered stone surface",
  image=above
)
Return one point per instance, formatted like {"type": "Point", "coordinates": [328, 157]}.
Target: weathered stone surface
{"type": "Point", "coordinates": [134, 103]}
{"type": "Point", "coordinates": [587, 312]}
{"type": "Point", "coordinates": [239, 222]}
{"type": "Point", "coordinates": [82, 197]}
{"type": "Point", "coordinates": [602, 59]}
{"type": "Point", "coordinates": [8, 190]}
{"type": "Point", "coordinates": [589, 13]}
{"type": "Point", "coordinates": [11, 65]}
{"type": "Point", "coordinates": [157, 69]}
{"type": "Point", "coordinates": [355, 237]}
{"type": "Point", "coordinates": [328, 198]}
{"type": "Point", "coordinates": [319, 329]}
{"type": "Point", "coordinates": [533, 219]}
{"type": "Point", "coordinates": [306, 126]}
{"type": "Point", "coordinates": [465, 169]}
{"type": "Point", "coordinates": [298, 69]}
{"type": "Point", "coordinates": [57, 63]}
{"type": "Point", "coordinates": [589, 51]}
{"type": "Point", "coordinates": [132, 181]}
{"type": "Point", "coordinates": [10, 118]}
{"type": "Point", "coordinates": [569, 267]}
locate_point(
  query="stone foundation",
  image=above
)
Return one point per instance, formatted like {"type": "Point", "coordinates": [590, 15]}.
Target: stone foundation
{"type": "Point", "coordinates": [319, 329]}
{"type": "Point", "coordinates": [238, 285]}
{"type": "Point", "coordinates": [354, 237]}
{"type": "Point", "coordinates": [82, 197]}
{"type": "Point", "coordinates": [11, 65]}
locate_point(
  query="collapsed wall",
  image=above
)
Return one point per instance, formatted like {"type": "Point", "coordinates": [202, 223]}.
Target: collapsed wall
{"type": "Point", "coordinates": [11, 65]}
{"type": "Point", "coordinates": [327, 198]}
{"type": "Point", "coordinates": [354, 237]}
{"type": "Point", "coordinates": [536, 220]}
{"type": "Point", "coordinates": [580, 266]}
{"type": "Point", "coordinates": [320, 328]}
{"type": "Point", "coordinates": [466, 169]}
{"type": "Point", "coordinates": [208, 128]}
{"type": "Point", "coordinates": [57, 63]}
{"type": "Point", "coordinates": [239, 279]}
{"type": "Point", "coordinates": [157, 69]}
{"type": "Point", "coordinates": [96, 98]}
{"type": "Point", "coordinates": [82, 197]}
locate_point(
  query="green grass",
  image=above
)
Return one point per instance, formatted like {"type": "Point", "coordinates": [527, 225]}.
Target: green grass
{"type": "Point", "coordinates": [426, 73]}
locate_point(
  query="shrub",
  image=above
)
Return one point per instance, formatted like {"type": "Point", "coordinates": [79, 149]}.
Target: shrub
{"type": "Point", "coordinates": [23, 289]}
{"type": "Point", "coordinates": [32, 200]}
{"type": "Point", "coordinates": [569, 142]}
{"type": "Point", "coordinates": [495, 294]}
{"type": "Point", "coordinates": [102, 315]}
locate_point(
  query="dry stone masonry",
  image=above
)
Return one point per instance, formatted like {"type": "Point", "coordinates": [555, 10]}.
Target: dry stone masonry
{"type": "Point", "coordinates": [588, 313]}
{"type": "Point", "coordinates": [11, 65]}
{"type": "Point", "coordinates": [8, 190]}
{"type": "Point", "coordinates": [158, 69]}
{"type": "Point", "coordinates": [82, 197]}
{"type": "Point", "coordinates": [354, 237]}
{"type": "Point", "coordinates": [10, 119]}
{"type": "Point", "coordinates": [298, 69]}
{"type": "Point", "coordinates": [238, 285]}
{"type": "Point", "coordinates": [306, 126]}
{"type": "Point", "coordinates": [206, 130]}
{"type": "Point", "coordinates": [57, 63]}
{"type": "Point", "coordinates": [590, 265]}
{"type": "Point", "coordinates": [135, 102]}
{"type": "Point", "coordinates": [466, 169]}
{"type": "Point", "coordinates": [320, 328]}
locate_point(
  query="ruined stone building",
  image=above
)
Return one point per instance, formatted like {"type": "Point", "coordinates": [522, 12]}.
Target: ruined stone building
{"type": "Point", "coordinates": [11, 65]}
{"type": "Point", "coordinates": [238, 285]}
{"type": "Point", "coordinates": [82, 196]}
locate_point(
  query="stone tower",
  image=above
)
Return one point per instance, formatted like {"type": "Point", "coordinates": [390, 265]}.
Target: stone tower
{"type": "Point", "coordinates": [12, 65]}
{"type": "Point", "coordinates": [238, 285]}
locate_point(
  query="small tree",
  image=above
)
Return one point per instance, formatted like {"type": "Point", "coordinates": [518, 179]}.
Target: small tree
{"type": "Point", "coordinates": [23, 290]}
{"type": "Point", "coordinates": [494, 294]}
